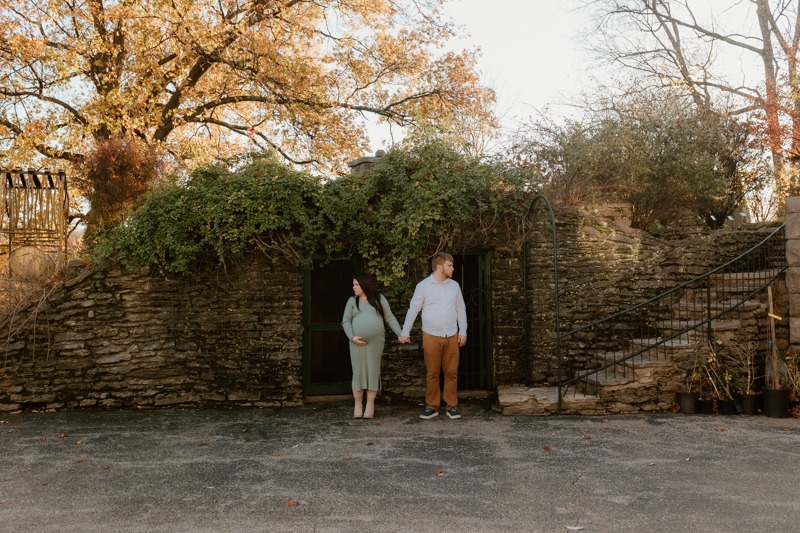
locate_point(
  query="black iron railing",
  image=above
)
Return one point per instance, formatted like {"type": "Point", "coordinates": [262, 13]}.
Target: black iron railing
{"type": "Point", "coordinates": [680, 319]}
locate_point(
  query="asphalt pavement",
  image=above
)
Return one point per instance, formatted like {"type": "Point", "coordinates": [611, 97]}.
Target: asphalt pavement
{"type": "Point", "coordinates": [315, 469]}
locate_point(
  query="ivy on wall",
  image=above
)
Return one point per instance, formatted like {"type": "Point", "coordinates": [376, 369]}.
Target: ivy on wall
{"type": "Point", "coordinates": [395, 214]}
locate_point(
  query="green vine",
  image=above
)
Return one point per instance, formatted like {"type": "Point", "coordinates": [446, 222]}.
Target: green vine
{"type": "Point", "coordinates": [406, 207]}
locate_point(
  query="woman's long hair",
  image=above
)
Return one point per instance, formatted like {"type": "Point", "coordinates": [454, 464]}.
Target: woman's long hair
{"type": "Point", "coordinates": [371, 291]}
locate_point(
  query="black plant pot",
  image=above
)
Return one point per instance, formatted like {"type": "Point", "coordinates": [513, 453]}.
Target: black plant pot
{"type": "Point", "coordinates": [728, 407]}
{"type": "Point", "coordinates": [749, 403]}
{"type": "Point", "coordinates": [706, 406]}
{"type": "Point", "coordinates": [776, 403]}
{"type": "Point", "coordinates": [687, 402]}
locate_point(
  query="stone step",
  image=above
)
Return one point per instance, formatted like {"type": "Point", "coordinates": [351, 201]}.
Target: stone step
{"type": "Point", "coordinates": [543, 401]}
{"type": "Point", "coordinates": [761, 276]}
{"type": "Point", "coordinates": [520, 400]}
{"type": "Point", "coordinates": [646, 359]}
{"type": "Point", "coordinates": [639, 370]}
{"type": "Point", "coordinates": [593, 383]}
{"type": "Point", "coordinates": [674, 326]}
{"type": "Point", "coordinates": [689, 309]}
{"type": "Point", "coordinates": [679, 345]}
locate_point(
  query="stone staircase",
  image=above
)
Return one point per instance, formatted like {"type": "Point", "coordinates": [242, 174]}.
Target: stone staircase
{"type": "Point", "coordinates": [648, 382]}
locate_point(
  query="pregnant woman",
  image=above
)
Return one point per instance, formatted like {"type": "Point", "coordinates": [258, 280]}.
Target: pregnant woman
{"type": "Point", "coordinates": [363, 323]}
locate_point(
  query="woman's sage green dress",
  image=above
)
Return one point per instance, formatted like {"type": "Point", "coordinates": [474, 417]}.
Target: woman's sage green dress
{"type": "Point", "coordinates": [365, 322]}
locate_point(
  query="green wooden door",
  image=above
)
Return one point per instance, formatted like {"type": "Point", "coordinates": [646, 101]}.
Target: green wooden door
{"type": "Point", "coordinates": [326, 352]}
{"type": "Point", "coordinates": [475, 361]}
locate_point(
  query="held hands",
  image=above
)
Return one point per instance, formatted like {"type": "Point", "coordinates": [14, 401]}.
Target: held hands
{"type": "Point", "coordinates": [462, 340]}
{"type": "Point", "coordinates": [358, 341]}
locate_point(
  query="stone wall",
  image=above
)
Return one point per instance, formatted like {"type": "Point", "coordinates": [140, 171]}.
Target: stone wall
{"type": "Point", "coordinates": [119, 339]}
{"type": "Point", "coordinates": [604, 266]}
{"type": "Point", "coordinates": [793, 273]}
{"type": "Point", "coordinates": [114, 338]}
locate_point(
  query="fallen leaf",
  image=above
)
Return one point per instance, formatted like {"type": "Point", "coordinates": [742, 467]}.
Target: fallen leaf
{"type": "Point", "coordinates": [547, 449]}
{"type": "Point", "coordinates": [245, 430]}
{"type": "Point", "coordinates": [106, 467]}
{"type": "Point", "coordinates": [370, 443]}
{"type": "Point", "coordinates": [78, 442]}
{"type": "Point", "coordinates": [3, 502]}
{"type": "Point", "coordinates": [790, 428]}
{"type": "Point", "coordinates": [439, 473]}
{"type": "Point", "coordinates": [587, 437]}
{"type": "Point", "coordinates": [719, 430]}
{"type": "Point", "coordinates": [347, 458]}
{"type": "Point", "coordinates": [292, 503]}
{"type": "Point", "coordinates": [178, 431]}
{"type": "Point", "coordinates": [605, 420]}
{"type": "Point", "coordinates": [204, 443]}
{"type": "Point", "coordinates": [64, 435]}
{"type": "Point", "coordinates": [3, 422]}
{"type": "Point", "coordinates": [80, 461]}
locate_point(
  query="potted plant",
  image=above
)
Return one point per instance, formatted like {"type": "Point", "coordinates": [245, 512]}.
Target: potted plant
{"type": "Point", "coordinates": [743, 359]}
{"type": "Point", "coordinates": [719, 379]}
{"type": "Point", "coordinates": [792, 362]}
{"type": "Point", "coordinates": [688, 397]}
{"type": "Point", "coordinates": [708, 392]}
{"type": "Point", "coordinates": [776, 393]}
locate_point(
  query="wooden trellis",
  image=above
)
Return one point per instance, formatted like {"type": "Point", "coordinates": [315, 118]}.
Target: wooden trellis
{"type": "Point", "coordinates": [34, 207]}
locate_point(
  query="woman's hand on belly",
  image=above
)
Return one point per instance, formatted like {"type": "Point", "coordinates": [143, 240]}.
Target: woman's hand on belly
{"type": "Point", "coordinates": [358, 341]}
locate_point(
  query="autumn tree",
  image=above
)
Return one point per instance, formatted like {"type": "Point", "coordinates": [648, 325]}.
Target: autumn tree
{"type": "Point", "coordinates": [206, 79]}
{"type": "Point", "coordinates": [692, 44]}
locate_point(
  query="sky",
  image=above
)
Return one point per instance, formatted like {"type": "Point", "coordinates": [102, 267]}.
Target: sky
{"type": "Point", "coordinates": [535, 57]}
{"type": "Point", "coordinates": [532, 49]}
{"type": "Point", "coordinates": [532, 53]}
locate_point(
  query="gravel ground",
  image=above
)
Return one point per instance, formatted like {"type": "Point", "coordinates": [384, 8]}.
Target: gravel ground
{"type": "Point", "coordinates": [314, 469]}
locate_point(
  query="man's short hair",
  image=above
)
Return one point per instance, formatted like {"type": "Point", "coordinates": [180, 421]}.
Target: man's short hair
{"type": "Point", "coordinates": [439, 259]}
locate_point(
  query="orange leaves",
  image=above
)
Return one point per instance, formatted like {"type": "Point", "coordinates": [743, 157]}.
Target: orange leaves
{"type": "Point", "coordinates": [202, 84]}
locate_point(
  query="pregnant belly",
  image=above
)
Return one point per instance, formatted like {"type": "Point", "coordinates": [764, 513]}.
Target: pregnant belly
{"type": "Point", "coordinates": [368, 326]}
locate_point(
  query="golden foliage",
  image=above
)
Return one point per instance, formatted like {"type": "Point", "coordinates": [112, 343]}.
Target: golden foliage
{"type": "Point", "coordinates": [209, 79]}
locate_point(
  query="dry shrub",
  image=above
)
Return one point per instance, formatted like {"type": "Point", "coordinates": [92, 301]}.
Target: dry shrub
{"type": "Point", "coordinates": [115, 175]}
{"type": "Point", "coordinates": [21, 301]}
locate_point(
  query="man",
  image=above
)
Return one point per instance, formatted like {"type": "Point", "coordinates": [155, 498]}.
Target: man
{"type": "Point", "coordinates": [444, 330]}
